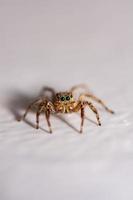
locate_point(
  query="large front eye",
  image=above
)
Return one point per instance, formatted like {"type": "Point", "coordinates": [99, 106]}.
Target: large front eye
{"type": "Point", "coordinates": [67, 98]}
{"type": "Point", "coordinates": [62, 98]}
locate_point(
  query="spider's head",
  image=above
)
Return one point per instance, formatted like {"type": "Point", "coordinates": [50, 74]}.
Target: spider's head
{"type": "Point", "coordinates": [64, 97]}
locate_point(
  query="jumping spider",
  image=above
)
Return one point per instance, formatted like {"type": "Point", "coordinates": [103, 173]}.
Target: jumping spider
{"type": "Point", "coordinates": [64, 102]}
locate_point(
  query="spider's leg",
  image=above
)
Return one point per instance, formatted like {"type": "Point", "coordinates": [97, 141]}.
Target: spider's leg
{"type": "Point", "coordinates": [79, 106]}
{"type": "Point", "coordinates": [37, 118]}
{"type": "Point", "coordinates": [94, 110]}
{"type": "Point", "coordinates": [47, 114]}
{"type": "Point", "coordinates": [82, 119]}
{"type": "Point", "coordinates": [97, 100]}
{"type": "Point", "coordinates": [50, 90]}
{"type": "Point", "coordinates": [27, 110]}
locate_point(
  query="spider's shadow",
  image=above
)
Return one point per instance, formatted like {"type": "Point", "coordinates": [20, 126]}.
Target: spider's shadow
{"type": "Point", "coordinates": [19, 101]}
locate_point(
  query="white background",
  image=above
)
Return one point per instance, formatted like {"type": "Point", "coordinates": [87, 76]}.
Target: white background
{"type": "Point", "coordinates": [60, 43]}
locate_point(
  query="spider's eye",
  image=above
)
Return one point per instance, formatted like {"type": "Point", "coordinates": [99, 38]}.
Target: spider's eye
{"type": "Point", "coordinates": [67, 98]}
{"type": "Point", "coordinates": [62, 98]}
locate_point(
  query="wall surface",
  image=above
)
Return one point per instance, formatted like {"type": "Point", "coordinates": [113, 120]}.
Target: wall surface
{"type": "Point", "coordinates": [60, 43]}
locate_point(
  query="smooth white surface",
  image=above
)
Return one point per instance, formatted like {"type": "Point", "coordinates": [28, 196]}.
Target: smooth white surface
{"type": "Point", "coordinates": [59, 44]}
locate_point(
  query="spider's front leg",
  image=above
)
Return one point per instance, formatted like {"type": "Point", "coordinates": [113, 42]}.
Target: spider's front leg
{"type": "Point", "coordinates": [93, 108]}
{"type": "Point", "coordinates": [48, 110]}
{"type": "Point", "coordinates": [37, 118]}
{"type": "Point", "coordinates": [81, 106]}
{"type": "Point", "coordinates": [46, 107]}
{"type": "Point", "coordinates": [82, 119]}
{"type": "Point", "coordinates": [47, 115]}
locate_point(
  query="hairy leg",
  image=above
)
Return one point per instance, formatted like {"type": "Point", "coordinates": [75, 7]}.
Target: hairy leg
{"type": "Point", "coordinates": [94, 110]}
{"type": "Point", "coordinates": [47, 114]}
{"type": "Point", "coordinates": [28, 108]}
{"type": "Point", "coordinates": [97, 100]}
{"type": "Point", "coordinates": [82, 119]}
{"type": "Point", "coordinates": [37, 118]}
{"type": "Point", "coordinates": [48, 90]}
{"type": "Point", "coordinates": [81, 106]}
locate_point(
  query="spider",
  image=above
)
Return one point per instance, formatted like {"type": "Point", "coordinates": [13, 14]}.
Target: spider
{"type": "Point", "coordinates": [64, 102]}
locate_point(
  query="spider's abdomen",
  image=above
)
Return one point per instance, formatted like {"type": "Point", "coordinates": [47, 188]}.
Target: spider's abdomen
{"type": "Point", "coordinates": [64, 107]}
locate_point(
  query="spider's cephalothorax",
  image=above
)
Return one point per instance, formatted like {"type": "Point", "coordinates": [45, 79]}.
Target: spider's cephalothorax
{"type": "Point", "coordinates": [64, 102]}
